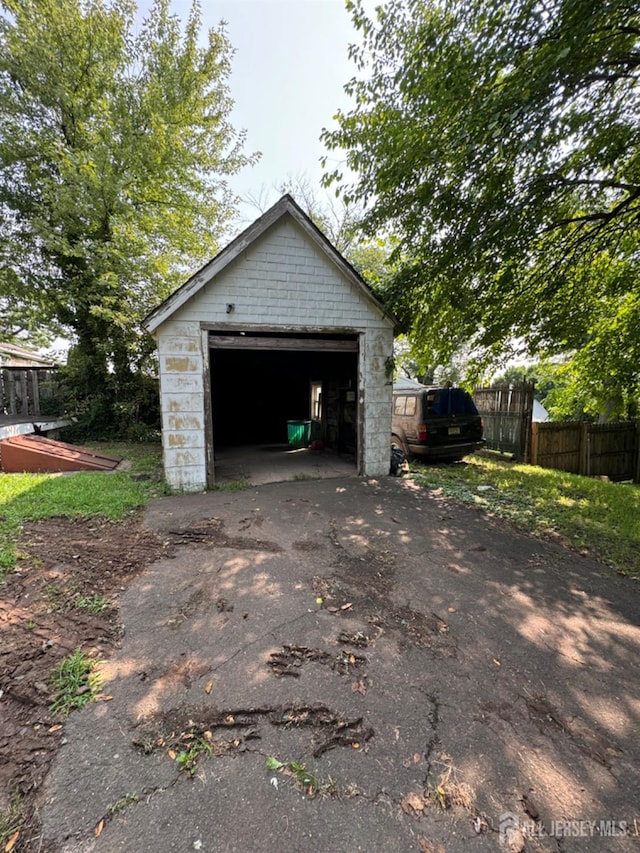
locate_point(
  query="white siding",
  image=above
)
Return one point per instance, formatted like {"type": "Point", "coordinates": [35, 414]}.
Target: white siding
{"type": "Point", "coordinates": [281, 279]}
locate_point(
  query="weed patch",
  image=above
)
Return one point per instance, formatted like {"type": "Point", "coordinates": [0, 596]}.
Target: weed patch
{"type": "Point", "coordinates": [305, 778]}
{"type": "Point", "coordinates": [11, 820]}
{"type": "Point", "coordinates": [123, 803]}
{"type": "Point", "coordinates": [233, 485]}
{"type": "Point", "coordinates": [74, 682]}
{"type": "Point", "coordinates": [93, 603]}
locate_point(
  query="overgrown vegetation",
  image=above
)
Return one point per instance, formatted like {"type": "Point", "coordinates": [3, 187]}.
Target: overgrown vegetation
{"type": "Point", "coordinates": [75, 683]}
{"type": "Point", "coordinates": [30, 497]}
{"type": "Point", "coordinates": [591, 515]}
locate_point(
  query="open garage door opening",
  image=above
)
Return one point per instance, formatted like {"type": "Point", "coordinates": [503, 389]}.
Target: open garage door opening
{"type": "Point", "coordinates": [282, 395]}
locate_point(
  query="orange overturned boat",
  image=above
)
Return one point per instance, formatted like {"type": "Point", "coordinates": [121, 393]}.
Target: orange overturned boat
{"type": "Point", "coordinates": [39, 454]}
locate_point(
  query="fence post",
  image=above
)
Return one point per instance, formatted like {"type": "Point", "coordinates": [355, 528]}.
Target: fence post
{"type": "Point", "coordinates": [24, 390]}
{"type": "Point", "coordinates": [533, 456]}
{"type": "Point", "coordinates": [35, 376]}
{"type": "Point", "coordinates": [13, 410]}
{"type": "Point", "coordinates": [584, 450]}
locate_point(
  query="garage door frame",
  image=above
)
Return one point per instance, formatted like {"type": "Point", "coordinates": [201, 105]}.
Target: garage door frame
{"type": "Point", "coordinates": [252, 334]}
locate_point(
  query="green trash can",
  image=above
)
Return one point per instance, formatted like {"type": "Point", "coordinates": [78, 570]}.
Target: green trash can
{"type": "Point", "coordinates": [299, 433]}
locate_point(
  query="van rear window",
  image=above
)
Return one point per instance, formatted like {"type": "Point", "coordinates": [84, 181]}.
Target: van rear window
{"type": "Point", "coordinates": [449, 401]}
{"type": "Point", "coordinates": [404, 406]}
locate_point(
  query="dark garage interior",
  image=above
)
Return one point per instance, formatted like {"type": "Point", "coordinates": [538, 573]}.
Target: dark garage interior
{"type": "Point", "coordinates": [255, 393]}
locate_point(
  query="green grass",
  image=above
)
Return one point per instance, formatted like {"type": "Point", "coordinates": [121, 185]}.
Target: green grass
{"type": "Point", "coordinates": [11, 819]}
{"type": "Point", "coordinates": [31, 497]}
{"type": "Point", "coordinates": [74, 682]}
{"type": "Point", "coordinates": [587, 514]}
{"type": "Point", "coordinates": [93, 603]}
{"type": "Point", "coordinates": [145, 457]}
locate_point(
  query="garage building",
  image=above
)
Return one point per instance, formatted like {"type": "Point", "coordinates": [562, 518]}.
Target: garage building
{"type": "Point", "coordinates": [278, 330]}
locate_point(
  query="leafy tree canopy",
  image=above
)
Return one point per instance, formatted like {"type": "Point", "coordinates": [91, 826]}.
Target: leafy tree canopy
{"type": "Point", "coordinates": [500, 142]}
{"type": "Point", "coordinates": [115, 146]}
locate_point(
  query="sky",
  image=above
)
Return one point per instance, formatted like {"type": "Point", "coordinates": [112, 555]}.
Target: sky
{"type": "Point", "coordinates": [288, 73]}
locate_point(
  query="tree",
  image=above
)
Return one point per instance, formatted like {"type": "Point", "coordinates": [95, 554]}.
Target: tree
{"type": "Point", "coordinates": [500, 143]}
{"type": "Point", "coordinates": [115, 146]}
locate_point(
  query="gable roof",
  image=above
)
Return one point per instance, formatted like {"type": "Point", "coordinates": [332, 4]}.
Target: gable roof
{"type": "Point", "coordinates": [285, 206]}
{"type": "Point", "coordinates": [12, 355]}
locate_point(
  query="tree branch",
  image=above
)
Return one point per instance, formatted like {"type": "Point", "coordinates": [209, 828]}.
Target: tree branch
{"type": "Point", "coordinates": [601, 216]}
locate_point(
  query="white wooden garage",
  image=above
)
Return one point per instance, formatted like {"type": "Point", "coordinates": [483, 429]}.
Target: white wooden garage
{"type": "Point", "coordinates": [277, 329]}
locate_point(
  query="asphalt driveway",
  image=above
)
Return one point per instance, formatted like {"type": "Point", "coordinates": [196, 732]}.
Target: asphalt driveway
{"type": "Point", "coordinates": [345, 665]}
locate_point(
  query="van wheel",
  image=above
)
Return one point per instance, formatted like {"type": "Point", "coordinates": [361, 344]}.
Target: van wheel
{"type": "Point", "coordinates": [398, 442]}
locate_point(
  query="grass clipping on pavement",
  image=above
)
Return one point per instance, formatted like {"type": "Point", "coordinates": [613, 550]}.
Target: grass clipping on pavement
{"type": "Point", "coordinates": [590, 515]}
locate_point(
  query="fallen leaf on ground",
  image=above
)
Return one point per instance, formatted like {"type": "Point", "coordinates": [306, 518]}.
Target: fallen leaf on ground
{"type": "Point", "coordinates": [359, 687]}
{"type": "Point", "coordinates": [54, 728]}
{"type": "Point", "coordinates": [417, 758]}
{"type": "Point", "coordinates": [11, 843]}
{"type": "Point", "coordinates": [99, 828]}
{"type": "Point", "coordinates": [171, 755]}
{"type": "Point", "coordinates": [208, 687]}
{"type": "Point", "coordinates": [346, 606]}
{"type": "Point", "coordinates": [497, 662]}
{"type": "Point", "coordinates": [412, 803]}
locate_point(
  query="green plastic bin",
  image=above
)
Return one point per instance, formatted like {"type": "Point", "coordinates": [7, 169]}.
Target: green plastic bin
{"type": "Point", "coordinates": [316, 431]}
{"type": "Point", "coordinates": [299, 433]}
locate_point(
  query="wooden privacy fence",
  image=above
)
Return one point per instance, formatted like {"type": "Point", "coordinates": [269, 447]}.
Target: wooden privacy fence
{"type": "Point", "coordinates": [506, 412]}
{"type": "Point", "coordinates": [611, 450]}
{"type": "Point", "coordinates": [32, 391]}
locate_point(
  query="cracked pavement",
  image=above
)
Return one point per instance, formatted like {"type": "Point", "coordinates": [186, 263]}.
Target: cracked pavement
{"type": "Point", "coordinates": [430, 668]}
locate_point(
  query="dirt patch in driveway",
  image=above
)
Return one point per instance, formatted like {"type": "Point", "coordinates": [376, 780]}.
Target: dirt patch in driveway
{"type": "Point", "coordinates": [62, 596]}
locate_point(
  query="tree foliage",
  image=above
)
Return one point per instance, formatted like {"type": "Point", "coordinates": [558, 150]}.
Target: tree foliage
{"type": "Point", "coordinates": [500, 142]}
{"type": "Point", "coordinates": [115, 146]}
